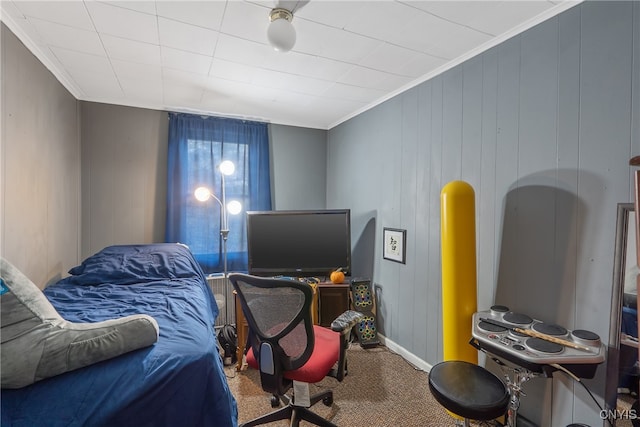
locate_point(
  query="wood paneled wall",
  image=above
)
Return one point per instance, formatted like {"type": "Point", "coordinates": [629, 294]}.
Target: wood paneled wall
{"type": "Point", "coordinates": [542, 126]}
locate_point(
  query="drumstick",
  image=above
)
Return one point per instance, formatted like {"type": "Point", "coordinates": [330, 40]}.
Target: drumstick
{"type": "Point", "coordinates": [551, 338]}
{"type": "Point", "coordinates": [540, 335]}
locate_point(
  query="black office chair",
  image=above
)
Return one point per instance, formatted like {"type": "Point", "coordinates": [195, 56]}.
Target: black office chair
{"type": "Point", "coordinates": [287, 347]}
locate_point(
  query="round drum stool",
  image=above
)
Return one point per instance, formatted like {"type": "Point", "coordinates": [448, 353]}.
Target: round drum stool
{"type": "Point", "coordinates": [469, 391]}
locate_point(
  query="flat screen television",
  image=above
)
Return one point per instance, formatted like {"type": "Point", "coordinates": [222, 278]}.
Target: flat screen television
{"type": "Point", "coordinates": [299, 243]}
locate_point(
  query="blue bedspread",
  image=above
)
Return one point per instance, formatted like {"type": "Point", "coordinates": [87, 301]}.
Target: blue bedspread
{"type": "Point", "coordinates": [179, 381]}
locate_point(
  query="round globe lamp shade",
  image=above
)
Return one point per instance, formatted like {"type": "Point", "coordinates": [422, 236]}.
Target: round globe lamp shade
{"type": "Point", "coordinates": [281, 35]}
{"type": "Point", "coordinates": [234, 207]}
{"type": "Point", "coordinates": [202, 194]}
{"type": "Point", "coordinates": [227, 167]}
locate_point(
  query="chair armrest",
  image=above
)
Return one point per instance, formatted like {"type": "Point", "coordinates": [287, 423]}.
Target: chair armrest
{"type": "Point", "coordinates": [346, 321]}
{"type": "Point", "coordinates": [343, 324]}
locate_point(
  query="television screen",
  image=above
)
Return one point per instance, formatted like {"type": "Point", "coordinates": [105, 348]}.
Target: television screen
{"type": "Point", "coordinates": [298, 243]}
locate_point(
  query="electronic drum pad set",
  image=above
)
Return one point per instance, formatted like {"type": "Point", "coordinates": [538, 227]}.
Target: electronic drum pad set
{"type": "Point", "coordinates": [519, 341]}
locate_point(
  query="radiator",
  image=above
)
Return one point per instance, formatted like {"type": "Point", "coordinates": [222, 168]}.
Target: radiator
{"type": "Point", "coordinates": [227, 314]}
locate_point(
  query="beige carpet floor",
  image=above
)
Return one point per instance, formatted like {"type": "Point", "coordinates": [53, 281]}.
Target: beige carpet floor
{"type": "Point", "coordinates": [381, 390]}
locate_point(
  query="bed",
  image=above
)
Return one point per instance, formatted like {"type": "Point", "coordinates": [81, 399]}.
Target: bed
{"type": "Point", "coordinates": [178, 381]}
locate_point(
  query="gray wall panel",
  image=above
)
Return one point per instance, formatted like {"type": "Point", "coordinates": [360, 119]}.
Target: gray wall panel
{"type": "Point", "coordinates": [298, 167]}
{"type": "Point", "coordinates": [508, 120]}
{"type": "Point", "coordinates": [452, 124]}
{"type": "Point", "coordinates": [434, 333]}
{"type": "Point", "coordinates": [471, 120]}
{"type": "Point", "coordinates": [408, 168]}
{"type": "Point", "coordinates": [423, 306]}
{"type": "Point", "coordinates": [486, 195]}
{"type": "Point", "coordinates": [567, 180]}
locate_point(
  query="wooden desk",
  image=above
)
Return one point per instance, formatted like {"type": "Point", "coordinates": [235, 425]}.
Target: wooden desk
{"type": "Point", "coordinates": [333, 300]}
{"type": "Point", "coordinates": [242, 327]}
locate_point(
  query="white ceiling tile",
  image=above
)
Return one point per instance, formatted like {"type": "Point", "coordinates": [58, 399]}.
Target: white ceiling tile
{"type": "Point", "coordinates": [388, 17]}
{"type": "Point", "coordinates": [291, 83]}
{"type": "Point", "coordinates": [148, 90]}
{"type": "Point", "coordinates": [125, 23]}
{"type": "Point", "coordinates": [388, 58]}
{"type": "Point", "coordinates": [330, 13]}
{"type": "Point", "coordinates": [246, 20]}
{"type": "Point", "coordinates": [328, 42]}
{"type": "Point", "coordinates": [181, 96]}
{"type": "Point", "coordinates": [130, 50]}
{"type": "Point", "coordinates": [492, 17]}
{"type": "Point", "coordinates": [187, 37]}
{"type": "Point", "coordinates": [133, 70]}
{"type": "Point", "coordinates": [227, 96]}
{"type": "Point", "coordinates": [107, 87]}
{"type": "Point", "coordinates": [341, 107]}
{"type": "Point", "coordinates": [52, 58]}
{"type": "Point", "coordinates": [231, 71]}
{"type": "Point", "coordinates": [305, 65]}
{"type": "Point", "coordinates": [438, 37]}
{"type": "Point", "coordinates": [241, 90]}
{"type": "Point", "coordinates": [213, 56]}
{"type": "Point", "coordinates": [299, 100]}
{"type": "Point", "coordinates": [148, 7]}
{"type": "Point", "coordinates": [184, 79]}
{"type": "Point", "coordinates": [217, 89]}
{"type": "Point", "coordinates": [69, 37]}
{"type": "Point", "coordinates": [419, 63]}
{"type": "Point", "coordinates": [222, 104]}
{"type": "Point", "coordinates": [368, 78]}
{"type": "Point", "coordinates": [242, 51]}
{"type": "Point", "coordinates": [295, 6]}
{"type": "Point", "coordinates": [70, 13]}
{"type": "Point", "coordinates": [206, 14]}
{"type": "Point", "coordinates": [20, 24]}
{"type": "Point", "coordinates": [10, 9]}
{"type": "Point", "coordinates": [185, 61]}
{"type": "Point", "coordinates": [353, 93]}
{"type": "Point", "coordinates": [79, 61]}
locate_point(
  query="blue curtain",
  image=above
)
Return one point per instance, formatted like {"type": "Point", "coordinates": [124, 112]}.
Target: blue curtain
{"type": "Point", "coordinates": [197, 146]}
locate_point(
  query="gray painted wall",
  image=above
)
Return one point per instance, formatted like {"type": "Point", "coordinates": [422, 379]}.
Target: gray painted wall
{"type": "Point", "coordinates": [542, 126]}
{"type": "Point", "coordinates": [298, 167]}
{"type": "Point", "coordinates": [124, 175]}
{"type": "Point", "coordinates": [40, 167]}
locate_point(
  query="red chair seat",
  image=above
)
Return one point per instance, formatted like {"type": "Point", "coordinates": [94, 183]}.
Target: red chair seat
{"type": "Point", "coordinates": [326, 352]}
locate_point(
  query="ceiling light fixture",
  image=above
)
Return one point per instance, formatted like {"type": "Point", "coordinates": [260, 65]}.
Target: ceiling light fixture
{"type": "Point", "coordinates": [281, 34]}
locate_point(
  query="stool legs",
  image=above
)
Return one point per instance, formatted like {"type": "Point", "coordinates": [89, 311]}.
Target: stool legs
{"type": "Point", "coordinates": [514, 384]}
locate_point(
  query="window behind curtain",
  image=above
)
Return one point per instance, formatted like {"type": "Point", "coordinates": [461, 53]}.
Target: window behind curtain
{"type": "Point", "coordinates": [197, 146]}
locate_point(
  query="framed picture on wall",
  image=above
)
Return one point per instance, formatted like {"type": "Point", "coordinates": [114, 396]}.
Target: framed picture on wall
{"type": "Point", "coordinates": [394, 244]}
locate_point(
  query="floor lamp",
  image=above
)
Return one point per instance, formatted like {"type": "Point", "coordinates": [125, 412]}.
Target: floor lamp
{"type": "Point", "coordinates": [234, 207]}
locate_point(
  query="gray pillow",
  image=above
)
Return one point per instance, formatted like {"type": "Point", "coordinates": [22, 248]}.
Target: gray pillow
{"type": "Point", "coordinates": [37, 343]}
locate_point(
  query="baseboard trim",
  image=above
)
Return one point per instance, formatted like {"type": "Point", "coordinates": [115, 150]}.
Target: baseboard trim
{"type": "Point", "coordinates": [405, 354]}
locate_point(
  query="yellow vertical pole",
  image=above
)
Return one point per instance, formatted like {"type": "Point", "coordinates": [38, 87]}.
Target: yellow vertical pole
{"type": "Point", "coordinates": [459, 299]}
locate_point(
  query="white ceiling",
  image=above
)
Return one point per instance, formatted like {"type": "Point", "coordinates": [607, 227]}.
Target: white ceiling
{"type": "Point", "coordinates": [212, 57]}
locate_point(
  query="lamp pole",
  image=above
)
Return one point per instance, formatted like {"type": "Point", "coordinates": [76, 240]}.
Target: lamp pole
{"type": "Point", "coordinates": [224, 233]}
{"type": "Point", "coordinates": [202, 193]}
